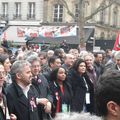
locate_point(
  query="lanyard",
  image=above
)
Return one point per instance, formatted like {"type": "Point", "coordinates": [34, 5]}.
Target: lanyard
{"type": "Point", "coordinates": [86, 85]}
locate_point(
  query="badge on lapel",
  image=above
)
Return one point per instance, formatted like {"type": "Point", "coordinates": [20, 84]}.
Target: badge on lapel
{"type": "Point", "coordinates": [33, 104]}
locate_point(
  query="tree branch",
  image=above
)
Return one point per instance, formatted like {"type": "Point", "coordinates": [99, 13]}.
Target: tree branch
{"type": "Point", "coordinates": [100, 8]}
{"type": "Point", "coordinates": [67, 8]}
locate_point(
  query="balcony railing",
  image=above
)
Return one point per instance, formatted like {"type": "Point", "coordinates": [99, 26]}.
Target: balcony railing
{"type": "Point", "coordinates": [17, 16]}
{"type": "Point", "coordinates": [4, 16]}
{"type": "Point", "coordinates": [30, 16]}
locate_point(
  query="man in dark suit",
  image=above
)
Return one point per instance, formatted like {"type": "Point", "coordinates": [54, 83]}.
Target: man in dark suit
{"type": "Point", "coordinates": [21, 95]}
{"type": "Point", "coordinates": [41, 84]}
{"type": "Point", "coordinates": [53, 62]}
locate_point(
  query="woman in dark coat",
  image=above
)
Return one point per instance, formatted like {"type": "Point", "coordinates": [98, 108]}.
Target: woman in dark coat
{"type": "Point", "coordinates": [61, 91]}
{"type": "Point", "coordinates": [82, 87]}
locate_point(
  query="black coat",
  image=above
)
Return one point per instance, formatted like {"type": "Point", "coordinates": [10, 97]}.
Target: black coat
{"type": "Point", "coordinates": [47, 75]}
{"type": "Point", "coordinates": [3, 114]}
{"type": "Point", "coordinates": [99, 68]}
{"type": "Point", "coordinates": [24, 108]}
{"type": "Point", "coordinates": [42, 86]}
{"type": "Point", "coordinates": [64, 99]}
{"type": "Point", "coordinates": [79, 91]}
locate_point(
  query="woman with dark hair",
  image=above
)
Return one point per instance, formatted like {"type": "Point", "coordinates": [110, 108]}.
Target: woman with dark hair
{"type": "Point", "coordinates": [3, 50]}
{"type": "Point", "coordinates": [5, 61]}
{"type": "Point", "coordinates": [61, 91]}
{"type": "Point", "coordinates": [82, 88]}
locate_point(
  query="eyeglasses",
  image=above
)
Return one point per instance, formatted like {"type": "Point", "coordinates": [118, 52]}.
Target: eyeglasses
{"type": "Point", "coordinates": [2, 73]}
{"type": "Point", "coordinates": [42, 58]}
{"type": "Point", "coordinates": [35, 66]}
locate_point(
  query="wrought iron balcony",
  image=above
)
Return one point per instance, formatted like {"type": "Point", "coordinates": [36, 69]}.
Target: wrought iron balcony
{"type": "Point", "coordinates": [30, 16]}
{"type": "Point", "coordinates": [4, 16]}
{"type": "Point", "coordinates": [16, 16]}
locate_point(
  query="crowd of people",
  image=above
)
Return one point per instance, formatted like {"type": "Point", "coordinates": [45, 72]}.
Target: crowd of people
{"type": "Point", "coordinates": [37, 85]}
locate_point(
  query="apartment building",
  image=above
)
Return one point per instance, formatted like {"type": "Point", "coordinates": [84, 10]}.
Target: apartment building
{"type": "Point", "coordinates": [15, 13]}
{"type": "Point", "coordinates": [106, 22]}
{"type": "Point", "coordinates": [21, 10]}
{"type": "Point", "coordinates": [36, 12]}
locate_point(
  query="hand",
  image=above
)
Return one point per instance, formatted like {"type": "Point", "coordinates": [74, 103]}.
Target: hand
{"type": "Point", "coordinates": [48, 107]}
{"type": "Point", "coordinates": [42, 101]}
{"type": "Point", "coordinates": [13, 117]}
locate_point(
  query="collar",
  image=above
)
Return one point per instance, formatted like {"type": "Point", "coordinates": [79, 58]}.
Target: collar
{"type": "Point", "coordinates": [20, 89]}
{"type": "Point", "coordinates": [0, 89]}
{"type": "Point", "coordinates": [118, 67]}
{"type": "Point", "coordinates": [25, 89]}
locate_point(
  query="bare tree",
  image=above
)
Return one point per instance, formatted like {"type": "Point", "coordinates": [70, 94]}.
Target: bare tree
{"type": "Point", "coordinates": [81, 20]}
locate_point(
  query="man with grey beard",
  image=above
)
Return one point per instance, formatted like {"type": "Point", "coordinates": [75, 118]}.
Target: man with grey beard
{"type": "Point", "coordinates": [22, 96]}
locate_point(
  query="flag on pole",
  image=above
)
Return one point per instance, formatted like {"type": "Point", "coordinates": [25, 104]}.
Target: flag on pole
{"type": "Point", "coordinates": [4, 36]}
{"type": "Point", "coordinates": [20, 32]}
{"type": "Point", "coordinates": [117, 43]}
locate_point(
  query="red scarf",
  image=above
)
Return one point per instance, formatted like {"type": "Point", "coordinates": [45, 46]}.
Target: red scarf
{"type": "Point", "coordinates": [58, 99]}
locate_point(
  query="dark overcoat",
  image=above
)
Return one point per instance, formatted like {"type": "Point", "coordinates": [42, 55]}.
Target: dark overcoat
{"type": "Point", "coordinates": [24, 108]}
{"type": "Point", "coordinates": [79, 91]}
{"type": "Point", "coordinates": [42, 86]}
{"type": "Point", "coordinates": [64, 98]}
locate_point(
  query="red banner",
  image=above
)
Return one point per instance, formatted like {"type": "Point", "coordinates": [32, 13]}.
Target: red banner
{"type": "Point", "coordinates": [117, 43]}
{"type": "Point", "coordinates": [20, 33]}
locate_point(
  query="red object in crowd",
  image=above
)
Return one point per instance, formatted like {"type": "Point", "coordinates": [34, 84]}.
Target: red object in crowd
{"type": "Point", "coordinates": [117, 43]}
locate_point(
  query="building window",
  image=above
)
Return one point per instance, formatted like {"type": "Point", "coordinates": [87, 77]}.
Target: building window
{"type": "Point", "coordinates": [58, 13]}
{"type": "Point", "coordinates": [17, 10]}
{"type": "Point", "coordinates": [102, 16]}
{"type": "Point", "coordinates": [115, 16]}
{"type": "Point", "coordinates": [102, 35]}
{"type": "Point", "coordinates": [31, 10]}
{"type": "Point", "coordinates": [76, 12]}
{"type": "Point", "coordinates": [5, 9]}
{"type": "Point", "coordinates": [86, 4]}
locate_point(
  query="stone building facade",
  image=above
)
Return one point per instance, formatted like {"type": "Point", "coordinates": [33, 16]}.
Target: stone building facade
{"type": "Point", "coordinates": [106, 22]}
{"type": "Point", "coordinates": [37, 12]}
{"type": "Point", "coordinates": [21, 11]}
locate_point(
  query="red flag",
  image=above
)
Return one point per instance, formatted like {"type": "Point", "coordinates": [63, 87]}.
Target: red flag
{"type": "Point", "coordinates": [117, 43]}
{"type": "Point", "coordinates": [20, 33]}
{"type": "Point", "coordinates": [4, 37]}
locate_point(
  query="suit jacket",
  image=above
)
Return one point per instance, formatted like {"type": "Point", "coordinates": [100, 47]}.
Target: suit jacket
{"type": "Point", "coordinates": [24, 108]}
{"type": "Point", "coordinates": [114, 67]}
{"type": "Point", "coordinates": [99, 68]}
{"type": "Point", "coordinates": [42, 86]}
{"type": "Point", "coordinates": [3, 114]}
{"type": "Point", "coordinates": [47, 75]}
